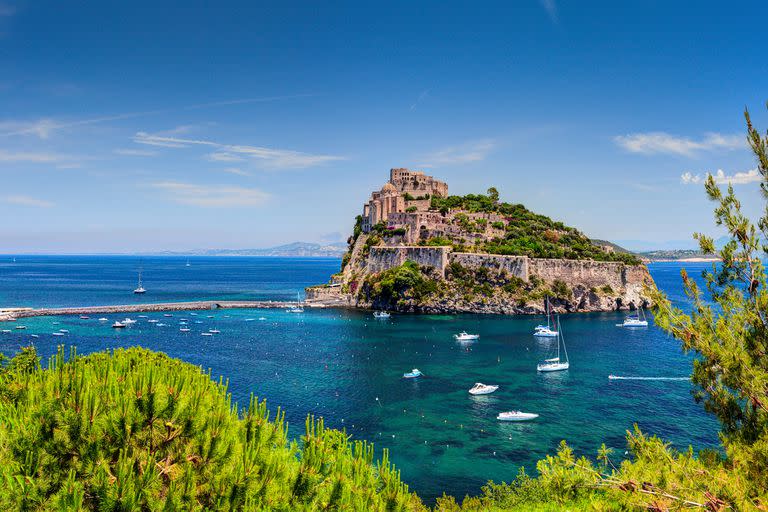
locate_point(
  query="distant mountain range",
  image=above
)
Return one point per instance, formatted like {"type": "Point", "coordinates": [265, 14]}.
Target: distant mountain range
{"type": "Point", "coordinates": [295, 249]}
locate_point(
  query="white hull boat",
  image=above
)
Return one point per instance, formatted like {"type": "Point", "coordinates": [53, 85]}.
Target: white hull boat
{"type": "Point", "coordinates": [381, 314]}
{"type": "Point", "coordinates": [556, 364]}
{"type": "Point", "coordinates": [463, 336]}
{"type": "Point", "coordinates": [636, 320]}
{"type": "Point", "coordinates": [516, 416]}
{"type": "Point", "coordinates": [412, 374]}
{"type": "Point", "coordinates": [482, 389]}
{"type": "Point", "coordinates": [118, 325]}
{"type": "Point", "coordinates": [546, 331]}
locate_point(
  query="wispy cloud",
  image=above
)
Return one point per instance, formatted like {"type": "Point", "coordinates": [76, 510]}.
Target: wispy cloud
{"type": "Point", "coordinates": [274, 158]}
{"type": "Point", "coordinates": [738, 178]}
{"type": "Point", "coordinates": [237, 171]}
{"type": "Point", "coordinates": [212, 196]}
{"type": "Point", "coordinates": [22, 200]}
{"type": "Point", "coordinates": [551, 7]}
{"type": "Point", "coordinates": [223, 156]}
{"type": "Point", "coordinates": [424, 95]}
{"type": "Point", "coordinates": [661, 142]}
{"type": "Point", "coordinates": [135, 152]}
{"type": "Point", "coordinates": [44, 127]}
{"type": "Point", "coordinates": [464, 153]}
{"type": "Point", "coordinates": [33, 157]}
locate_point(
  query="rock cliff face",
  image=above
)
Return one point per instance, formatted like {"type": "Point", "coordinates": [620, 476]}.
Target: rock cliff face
{"type": "Point", "coordinates": [486, 283]}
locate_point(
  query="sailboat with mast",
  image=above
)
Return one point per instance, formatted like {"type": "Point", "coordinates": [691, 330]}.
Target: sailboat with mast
{"type": "Point", "coordinates": [298, 308]}
{"type": "Point", "coordinates": [140, 289]}
{"type": "Point", "coordinates": [546, 331]}
{"type": "Point", "coordinates": [556, 364]}
{"type": "Point", "coordinates": [636, 320]}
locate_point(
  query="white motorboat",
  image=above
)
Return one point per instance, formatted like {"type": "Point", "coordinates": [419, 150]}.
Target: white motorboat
{"type": "Point", "coordinates": [167, 315]}
{"type": "Point", "coordinates": [84, 317]}
{"type": "Point", "coordinates": [102, 319]}
{"type": "Point", "coordinates": [381, 314]}
{"type": "Point", "coordinates": [128, 321]}
{"type": "Point", "coordinates": [139, 289]}
{"type": "Point", "coordinates": [6, 331]}
{"type": "Point", "coordinates": [65, 331]}
{"type": "Point", "coordinates": [516, 416]}
{"type": "Point", "coordinates": [482, 389]}
{"type": "Point", "coordinates": [556, 364]}
{"type": "Point", "coordinates": [412, 374]}
{"type": "Point", "coordinates": [464, 336]}
{"type": "Point", "coordinates": [214, 331]}
{"type": "Point", "coordinates": [546, 331]}
{"type": "Point", "coordinates": [152, 321]}
{"type": "Point", "coordinates": [57, 334]}
{"type": "Point", "coordinates": [205, 334]}
{"type": "Point", "coordinates": [118, 325]}
{"type": "Point", "coordinates": [20, 327]}
{"type": "Point", "coordinates": [184, 329]}
{"type": "Point", "coordinates": [636, 320]}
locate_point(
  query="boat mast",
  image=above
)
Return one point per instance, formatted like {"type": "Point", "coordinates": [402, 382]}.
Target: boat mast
{"type": "Point", "coordinates": [560, 335]}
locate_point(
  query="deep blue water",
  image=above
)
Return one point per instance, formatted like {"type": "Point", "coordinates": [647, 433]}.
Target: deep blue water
{"type": "Point", "coordinates": [347, 367]}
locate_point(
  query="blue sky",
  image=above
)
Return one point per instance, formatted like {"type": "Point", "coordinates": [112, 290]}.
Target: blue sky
{"type": "Point", "coordinates": [136, 127]}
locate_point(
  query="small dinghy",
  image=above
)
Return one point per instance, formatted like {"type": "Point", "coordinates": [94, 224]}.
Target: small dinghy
{"type": "Point", "coordinates": [21, 327]}
{"type": "Point", "coordinates": [102, 319]}
{"type": "Point", "coordinates": [482, 389]}
{"type": "Point", "coordinates": [214, 331]}
{"type": "Point", "coordinates": [381, 314]}
{"type": "Point", "coordinates": [83, 317]}
{"type": "Point", "coordinates": [205, 334]}
{"type": "Point", "coordinates": [118, 325]}
{"type": "Point", "coordinates": [57, 333]}
{"type": "Point", "coordinates": [65, 331]}
{"type": "Point", "coordinates": [6, 331]}
{"type": "Point", "coordinates": [184, 329]}
{"type": "Point", "coordinates": [516, 416]}
{"type": "Point", "coordinates": [464, 336]}
{"type": "Point", "coordinates": [167, 314]}
{"type": "Point", "coordinates": [34, 335]}
{"type": "Point", "coordinates": [412, 374]}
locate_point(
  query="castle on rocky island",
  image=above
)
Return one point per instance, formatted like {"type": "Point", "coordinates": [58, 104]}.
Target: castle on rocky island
{"type": "Point", "coordinates": [412, 220]}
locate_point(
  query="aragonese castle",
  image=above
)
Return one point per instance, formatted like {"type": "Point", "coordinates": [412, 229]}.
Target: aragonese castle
{"type": "Point", "coordinates": [413, 219]}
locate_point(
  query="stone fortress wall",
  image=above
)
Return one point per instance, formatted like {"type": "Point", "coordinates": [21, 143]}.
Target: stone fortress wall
{"type": "Point", "coordinates": [586, 273]}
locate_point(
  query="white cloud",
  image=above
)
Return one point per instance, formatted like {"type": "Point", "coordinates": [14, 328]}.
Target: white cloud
{"type": "Point", "coordinates": [471, 152]}
{"type": "Point", "coordinates": [22, 200]}
{"type": "Point", "coordinates": [660, 142]}
{"type": "Point", "coordinates": [212, 196]}
{"type": "Point", "coordinates": [551, 8]}
{"type": "Point", "coordinates": [222, 156]}
{"type": "Point", "coordinates": [275, 158]}
{"type": "Point", "coordinates": [135, 152]}
{"type": "Point", "coordinates": [237, 171]}
{"type": "Point", "coordinates": [738, 178]}
{"type": "Point", "coordinates": [31, 157]}
{"type": "Point", "coordinates": [43, 128]}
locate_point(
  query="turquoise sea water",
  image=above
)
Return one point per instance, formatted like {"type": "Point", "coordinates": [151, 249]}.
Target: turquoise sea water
{"type": "Point", "coordinates": [347, 366]}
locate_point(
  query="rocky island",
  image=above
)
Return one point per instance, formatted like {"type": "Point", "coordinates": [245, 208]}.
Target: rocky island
{"type": "Point", "coordinates": [415, 248]}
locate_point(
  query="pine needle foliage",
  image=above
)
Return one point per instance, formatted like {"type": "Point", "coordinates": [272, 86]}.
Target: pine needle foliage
{"type": "Point", "coordinates": [135, 430]}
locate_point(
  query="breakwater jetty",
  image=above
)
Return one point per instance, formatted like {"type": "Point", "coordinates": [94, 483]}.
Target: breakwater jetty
{"type": "Point", "coordinates": [15, 313]}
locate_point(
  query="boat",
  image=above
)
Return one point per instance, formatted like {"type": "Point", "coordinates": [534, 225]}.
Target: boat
{"type": "Point", "coordinates": [65, 331]}
{"type": "Point", "coordinates": [249, 319]}
{"type": "Point", "coordinates": [187, 265]}
{"type": "Point", "coordinates": [516, 416]}
{"type": "Point", "coordinates": [636, 320]}
{"type": "Point", "coordinates": [34, 335]}
{"type": "Point", "coordinates": [298, 308]}
{"type": "Point", "coordinates": [83, 317]}
{"type": "Point", "coordinates": [152, 321]}
{"type": "Point", "coordinates": [140, 289]}
{"type": "Point", "coordinates": [412, 374]}
{"type": "Point", "coordinates": [381, 314]}
{"type": "Point", "coordinates": [546, 331]}
{"type": "Point", "coordinates": [482, 389]}
{"type": "Point", "coordinates": [142, 316]}
{"type": "Point", "coordinates": [57, 334]}
{"type": "Point", "coordinates": [128, 321]}
{"type": "Point", "coordinates": [20, 327]}
{"type": "Point", "coordinates": [184, 329]}
{"type": "Point", "coordinates": [118, 325]}
{"type": "Point", "coordinates": [556, 364]}
{"type": "Point", "coordinates": [205, 334]}
{"type": "Point", "coordinates": [102, 319]}
{"type": "Point", "coordinates": [214, 331]}
{"type": "Point", "coordinates": [161, 325]}
{"type": "Point", "coordinates": [6, 331]}
{"type": "Point", "coordinates": [193, 314]}
{"type": "Point", "coordinates": [167, 314]}
{"type": "Point", "coordinates": [464, 336]}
